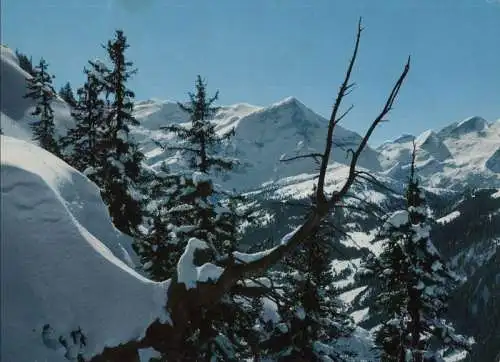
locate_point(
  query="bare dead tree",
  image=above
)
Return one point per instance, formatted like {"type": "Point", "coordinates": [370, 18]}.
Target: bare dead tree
{"type": "Point", "coordinates": [182, 304]}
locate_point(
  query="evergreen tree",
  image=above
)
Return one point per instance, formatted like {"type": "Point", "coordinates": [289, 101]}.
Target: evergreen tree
{"type": "Point", "coordinates": [25, 63]}
{"type": "Point", "coordinates": [415, 285]}
{"type": "Point", "coordinates": [41, 91]}
{"type": "Point", "coordinates": [192, 206]}
{"type": "Point", "coordinates": [121, 168]}
{"type": "Point", "coordinates": [84, 141]}
{"type": "Point", "coordinates": [313, 317]}
{"type": "Point", "coordinates": [202, 133]}
{"type": "Point", "coordinates": [66, 93]}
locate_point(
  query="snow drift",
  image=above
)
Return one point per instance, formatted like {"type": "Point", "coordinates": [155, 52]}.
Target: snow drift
{"type": "Point", "coordinates": [57, 277]}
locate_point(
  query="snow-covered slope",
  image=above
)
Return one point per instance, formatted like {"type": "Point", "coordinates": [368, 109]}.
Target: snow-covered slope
{"type": "Point", "coordinates": [263, 136]}
{"type": "Point", "coordinates": [15, 110]}
{"type": "Point", "coordinates": [463, 154]}
{"type": "Point", "coordinates": [57, 277]}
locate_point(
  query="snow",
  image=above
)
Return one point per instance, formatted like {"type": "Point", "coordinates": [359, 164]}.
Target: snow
{"type": "Point", "coordinates": [448, 218]}
{"type": "Point", "coordinates": [248, 258]}
{"type": "Point", "coordinates": [429, 145]}
{"type": "Point", "coordinates": [496, 195]}
{"type": "Point", "coordinates": [270, 311]}
{"type": "Point", "coordinates": [187, 272]}
{"type": "Point", "coordinates": [463, 154]}
{"type": "Point", "coordinates": [397, 219]}
{"type": "Point", "coordinates": [209, 272]}
{"type": "Point", "coordinates": [55, 272]}
{"type": "Point", "coordinates": [200, 177]}
{"type": "Point", "coordinates": [285, 239]}
{"type": "Point", "coordinates": [147, 353]}
{"type": "Point", "coordinates": [360, 315]}
{"type": "Point", "coordinates": [349, 296]}
{"type": "Point", "coordinates": [15, 117]}
{"type": "Point", "coordinates": [262, 136]}
{"type": "Point", "coordinates": [300, 313]}
{"type": "Point", "coordinates": [361, 343]}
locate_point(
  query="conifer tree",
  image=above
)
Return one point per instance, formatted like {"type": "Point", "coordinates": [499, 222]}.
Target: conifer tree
{"type": "Point", "coordinates": [202, 133]}
{"type": "Point", "coordinates": [25, 63]}
{"type": "Point", "coordinates": [313, 317]}
{"type": "Point", "coordinates": [66, 93]}
{"type": "Point", "coordinates": [41, 91]}
{"type": "Point", "coordinates": [121, 168]}
{"type": "Point", "coordinates": [84, 141]}
{"type": "Point", "coordinates": [415, 285]}
{"type": "Point", "coordinates": [194, 207]}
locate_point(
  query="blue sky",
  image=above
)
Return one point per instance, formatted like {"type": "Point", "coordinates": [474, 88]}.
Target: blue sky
{"type": "Point", "coordinates": [261, 51]}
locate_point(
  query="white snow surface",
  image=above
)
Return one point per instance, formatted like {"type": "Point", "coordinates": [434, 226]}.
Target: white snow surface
{"type": "Point", "coordinates": [448, 218]}
{"type": "Point", "coordinates": [465, 153]}
{"type": "Point", "coordinates": [55, 270]}
{"type": "Point", "coordinates": [262, 136]}
{"type": "Point", "coordinates": [188, 273]}
{"type": "Point", "coordinates": [397, 219]}
{"type": "Point", "coordinates": [15, 117]}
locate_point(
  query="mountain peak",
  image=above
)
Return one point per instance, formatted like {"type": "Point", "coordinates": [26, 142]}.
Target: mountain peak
{"type": "Point", "coordinates": [289, 102]}
{"type": "Point", "coordinates": [430, 142]}
{"type": "Point", "coordinates": [468, 125]}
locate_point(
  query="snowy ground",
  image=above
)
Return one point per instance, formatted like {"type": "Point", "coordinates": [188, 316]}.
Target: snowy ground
{"type": "Point", "coordinates": [57, 276]}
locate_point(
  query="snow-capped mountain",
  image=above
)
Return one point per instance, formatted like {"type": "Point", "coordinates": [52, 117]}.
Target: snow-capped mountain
{"type": "Point", "coordinates": [463, 154]}
{"type": "Point", "coordinates": [263, 137]}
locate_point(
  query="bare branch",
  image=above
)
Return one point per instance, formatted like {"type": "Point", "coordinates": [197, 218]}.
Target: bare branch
{"type": "Point", "coordinates": [387, 108]}
{"type": "Point", "coordinates": [332, 122]}
{"type": "Point", "coordinates": [344, 114]}
{"type": "Point", "coordinates": [175, 148]}
{"type": "Point", "coordinates": [315, 156]}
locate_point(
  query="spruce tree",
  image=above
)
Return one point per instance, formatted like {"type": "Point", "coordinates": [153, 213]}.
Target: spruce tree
{"type": "Point", "coordinates": [41, 91]}
{"type": "Point", "coordinates": [313, 318]}
{"type": "Point", "coordinates": [122, 162]}
{"type": "Point", "coordinates": [25, 63]}
{"type": "Point", "coordinates": [193, 206]}
{"type": "Point", "coordinates": [84, 141]}
{"type": "Point", "coordinates": [415, 284]}
{"type": "Point", "coordinates": [66, 93]}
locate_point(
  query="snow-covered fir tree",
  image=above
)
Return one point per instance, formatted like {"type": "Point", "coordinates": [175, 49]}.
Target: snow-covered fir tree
{"type": "Point", "coordinates": [83, 143]}
{"type": "Point", "coordinates": [25, 63]}
{"type": "Point", "coordinates": [66, 93]}
{"type": "Point", "coordinates": [192, 207]}
{"type": "Point", "coordinates": [121, 168]}
{"type": "Point", "coordinates": [313, 317]}
{"type": "Point", "coordinates": [40, 89]}
{"type": "Point", "coordinates": [415, 284]}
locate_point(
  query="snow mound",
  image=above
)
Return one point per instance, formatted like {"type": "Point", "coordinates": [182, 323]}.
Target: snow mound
{"type": "Point", "coordinates": [80, 196]}
{"type": "Point", "coordinates": [57, 277]}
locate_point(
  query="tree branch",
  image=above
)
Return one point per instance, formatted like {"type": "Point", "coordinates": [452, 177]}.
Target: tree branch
{"type": "Point", "coordinates": [315, 156]}
{"type": "Point", "coordinates": [320, 196]}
